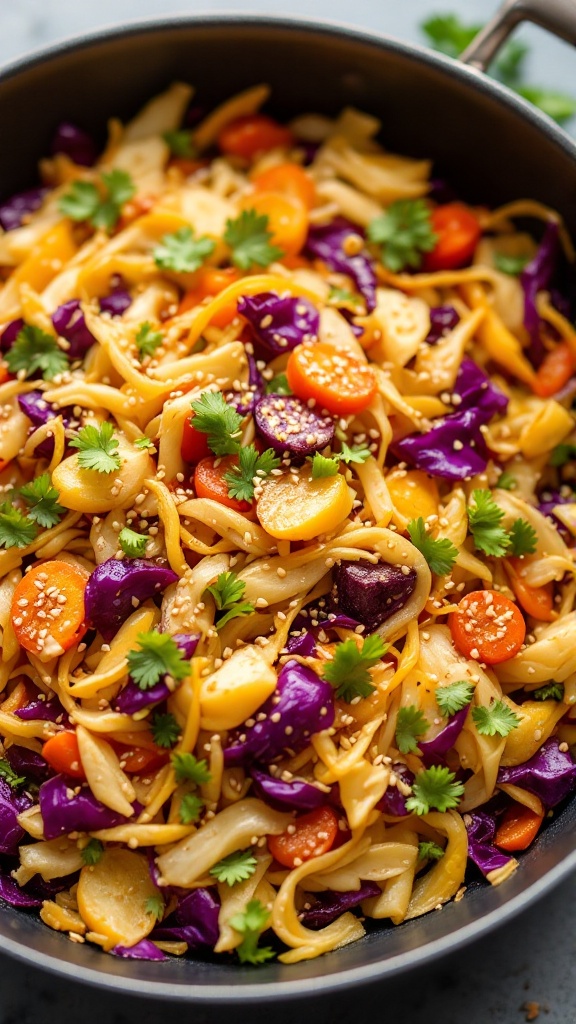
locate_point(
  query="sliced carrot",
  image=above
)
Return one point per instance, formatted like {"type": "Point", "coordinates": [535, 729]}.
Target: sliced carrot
{"type": "Point", "coordinates": [139, 759]}
{"type": "Point", "coordinates": [194, 445]}
{"type": "Point", "coordinates": [414, 493]}
{"type": "Point", "coordinates": [17, 699]}
{"type": "Point", "coordinates": [62, 753]}
{"type": "Point", "coordinates": [209, 482]}
{"type": "Point", "coordinates": [210, 281]}
{"type": "Point", "coordinates": [287, 218]}
{"type": "Point", "coordinates": [252, 134]}
{"type": "Point", "coordinates": [56, 590]}
{"type": "Point", "coordinates": [488, 627]}
{"type": "Point", "coordinates": [458, 232]}
{"type": "Point", "coordinates": [536, 601]}
{"type": "Point", "coordinates": [313, 834]}
{"type": "Point", "coordinates": [288, 179]}
{"type": "Point", "coordinates": [518, 828]}
{"type": "Point", "coordinates": [554, 371]}
{"type": "Point", "coordinates": [337, 381]}
{"type": "Point", "coordinates": [4, 373]}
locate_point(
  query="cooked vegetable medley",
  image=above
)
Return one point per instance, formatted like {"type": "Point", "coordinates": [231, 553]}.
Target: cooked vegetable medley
{"type": "Point", "coordinates": [286, 534]}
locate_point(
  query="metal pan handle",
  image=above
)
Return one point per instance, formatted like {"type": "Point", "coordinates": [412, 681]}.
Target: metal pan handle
{"type": "Point", "coordinates": [557, 16]}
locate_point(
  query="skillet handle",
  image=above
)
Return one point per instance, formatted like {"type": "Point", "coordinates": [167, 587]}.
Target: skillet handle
{"type": "Point", "coordinates": [557, 16]}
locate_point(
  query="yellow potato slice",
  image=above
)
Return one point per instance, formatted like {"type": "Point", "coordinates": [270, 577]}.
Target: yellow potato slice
{"type": "Point", "coordinates": [303, 510]}
{"type": "Point", "coordinates": [86, 490]}
{"type": "Point", "coordinates": [236, 690]}
{"type": "Point", "coordinates": [112, 897]}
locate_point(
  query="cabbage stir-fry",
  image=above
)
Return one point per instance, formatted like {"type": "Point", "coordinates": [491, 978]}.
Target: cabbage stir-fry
{"type": "Point", "coordinates": [288, 639]}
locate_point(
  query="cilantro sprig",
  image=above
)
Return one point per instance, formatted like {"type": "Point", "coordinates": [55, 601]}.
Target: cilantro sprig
{"type": "Point", "coordinates": [228, 593]}
{"type": "Point", "coordinates": [42, 500]}
{"type": "Point", "coordinates": [249, 239]}
{"type": "Point", "coordinates": [147, 339]}
{"type": "Point", "coordinates": [562, 454]}
{"type": "Point", "coordinates": [485, 522]}
{"type": "Point", "coordinates": [551, 691]}
{"type": "Point", "coordinates": [348, 672]}
{"type": "Point", "coordinates": [404, 232]}
{"type": "Point", "coordinates": [100, 204]}
{"type": "Point", "coordinates": [434, 788]}
{"type": "Point", "coordinates": [158, 656]}
{"type": "Point", "coordinates": [251, 465]}
{"type": "Point", "coordinates": [427, 850]}
{"type": "Point", "coordinates": [92, 852]}
{"type": "Point", "coordinates": [182, 251]}
{"type": "Point", "coordinates": [279, 385]}
{"type": "Point", "coordinates": [523, 538]}
{"type": "Point", "coordinates": [236, 867]}
{"type": "Point", "coordinates": [497, 719]}
{"type": "Point", "coordinates": [16, 529]}
{"type": "Point", "coordinates": [191, 807]}
{"type": "Point", "coordinates": [188, 768]}
{"type": "Point", "coordinates": [440, 554]}
{"type": "Point", "coordinates": [165, 730]}
{"type": "Point", "coordinates": [181, 144]}
{"type": "Point", "coordinates": [327, 465]}
{"type": "Point", "coordinates": [155, 906]}
{"type": "Point", "coordinates": [410, 724]}
{"type": "Point", "coordinates": [34, 350]}
{"type": "Point", "coordinates": [512, 265]}
{"type": "Point", "coordinates": [219, 421]}
{"type": "Point", "coordinates": [453, 697]}
{"type": "Point", "coordinates": [507, 481]}
{"type": "Point", "coordinates": [132, 544]}
{"type": "Point", "coordinates": [250, 924]}
{"type": "Point", "coordinates": [9, 775]}
{"type": "Point", "coordinates": [97, 448]}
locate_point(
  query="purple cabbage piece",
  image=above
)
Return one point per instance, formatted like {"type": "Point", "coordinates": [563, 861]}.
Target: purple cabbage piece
{"type": "Point", "coordinates": [11, 892]}
{"type": "Point", "coordinates": [442, 320]}
{"type": "Point", "coordinates": [132, 699]}
{"type": "Point", "coordinates": [348, 315]}
{"type": "Point", "coordinates": [394, 802]}
{"type": "Point", "coordinates": [434, 451]}
{"type": "Point", "coordinates": [280, 323]}
{"type": "Point", "coordinates": [75, 143]}
{"type": "Point", "coordinates": [143, 950]}
{"type": "Point", "coordinates": [371, 593]}
{"type": "Point", "coordinates": [289, 425]}
{"type": "Point", "coordinates": [28, 763]}
{"type": "Point", "coordinates": [42, 710]}
{"type": "Point", "coordinates": [327, 906]}
{"type": "Point", "coordinates": [116, 303]}
{"type": "Point", "coordinates": [547, 504]}
{"type": "Point", "coordinates": [433, 751]}
{"type": "Point", "coordinates": [39, 411]}
{"type": "Point", "coordinates": [296, 795]}
{"type": "Point", "coordinates": [11, 805]}
{"type": "Point", "coordinates": [113, 584]}
{"type": "Point", "coordinates": [14, 210]}
{"type": "Point", "coordinates": [549, 775]}
{"type": "Point", "coordinates": [304, 644]}
{"type": "Point", "coordinates": [10, 333]}
{"type": "Point", "coordinates": [324, 242]}
{"type": "Point", "coordinates": [194, 921]}
{"type": "Point", "coordinates": [535, 278]}
{"type": "Point", "coordinates": [245, 401]}
{"type": "Point", "coordinates": [69, 322]}
{"type": "Point", "coordinates": [302, 701]}
{"type": "Point", "coordinates": [82, 812]}
{"type": "Point", "coordinates": [481, 828]}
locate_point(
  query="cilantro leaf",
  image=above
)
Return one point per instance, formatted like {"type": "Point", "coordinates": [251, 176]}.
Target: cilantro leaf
{"type": "Point", "coordinates": [165, 730]}
{"type": "Point", "coordinates": [427, 850]}
{"type": "Point", "coordinates": [279, 385]}
{"type": "Point", "coordinates": [191, 807]}
{"type": "Point", "coordinates": [236, 867]}
{"type": "Point", "coordinates": [557, 105]}
{"type": "Point", "coordinates": [249, 239]}
{"type": "Point", "coordinates": [16, 529]}
{"type": "Point", "coordinates": [9, 775]}
{"type": "Point", "coordinates": [97, 448]}
{"type": "Point", "coordinates": [454, 697]}
{"type": "Point", "coordinates": [562, 454]}
{"type": "Point", "coordinates": [188, 769]}
{"type": "Point", "coordinates": [405, 232]}
{"type": "Point", "coordinates": [358, 454]}
{"type": "Point", "coordinates": [251, 923]}
{"type": "Point", "coordinates": [227, 593]}
{"type": "Point", "coordinates": [551, 691]}
{"type": "Point", "coordinates": [182, 252]}
{"type": "Point", "coordinates": [440, 554]}
{"type": "Point", "coordinates": [348, 671]}
{"type": "Point", "coordinates": [133, 544]}
{"type": "Point", "coordinates": [239, 479]}
{"type": "Point", "coordinates": [92, 852]}
{"type": "Point", "coordinates": [410, 723]}
{"type": "Point", "coordinates": [496, 719]}
{"type": "Point", "coordinates": [181, 144]}
{"type": "Point", "coordinates": [155, 906]}
{"type": "Point", "coordinates": [434, 787]}
{"type": "Point", "coordinates": [506, 481]}
{"type": "Point", "coordinates": [159, 655]}
{"type": "Point", "coordinates": [144, 443]}
{"type": "Point", "coordinates": [35, 350]}
{"type": "Point", "coordinates": [100, 205]}
{"type": "Point", "coordinates": [81, 201]}
{"type": "Point", "coordinates": [512, 265]}
{"type": "Point", "coordinates": [147, 340]}
{"type": "Point", "coordinates": [42, 500]}
{"type": "Point", "coordinates": [344, 297]}
{"type": "Point", "coordinates": [220, 421]}
{"type": "Point", "coordinates": [523, 538]}
{"type": "Point", "coordinates": [484, 518]}
{"type": "Point", "coordinates": [322, 466]}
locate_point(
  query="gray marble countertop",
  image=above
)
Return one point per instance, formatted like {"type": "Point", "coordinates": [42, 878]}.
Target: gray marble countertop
{"type": "Point", "coordinates": [528, 961]}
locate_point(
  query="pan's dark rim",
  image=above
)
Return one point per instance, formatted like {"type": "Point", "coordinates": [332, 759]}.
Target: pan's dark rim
{"type": "Point", "coordinates": [229, 994]}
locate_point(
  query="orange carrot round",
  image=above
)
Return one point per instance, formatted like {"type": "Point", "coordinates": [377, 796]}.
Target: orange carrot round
{"type": "Point", "coordinates": [209, 481]}
{"type": "Point", "coordinates": [458, 232]}
{"type": "Point", "coordinates": [536, 601]}
{"type": "Point", "coordinates": [287, 218]}
{"type": "Point", "coordinates": [518, 828]}
{"type": "Point", "coordinates": [313, 834]}
{"type": "Point", "coordinates": [251, 134]}
{"type": "Point", "coordinates": [210, 281]}
{"type": "Point", "coordinates": [48, 608]}
{"type": "Point", "coordinates": [63, 754]}
{"type": "Point", "coordinates": [335, 380]}
{"type": "Point", "coordinates": [487, 627]}
{"type": "Point", "coordinates": [288, 179]}
{"type": "Point", "coordinates": [554, 371]}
